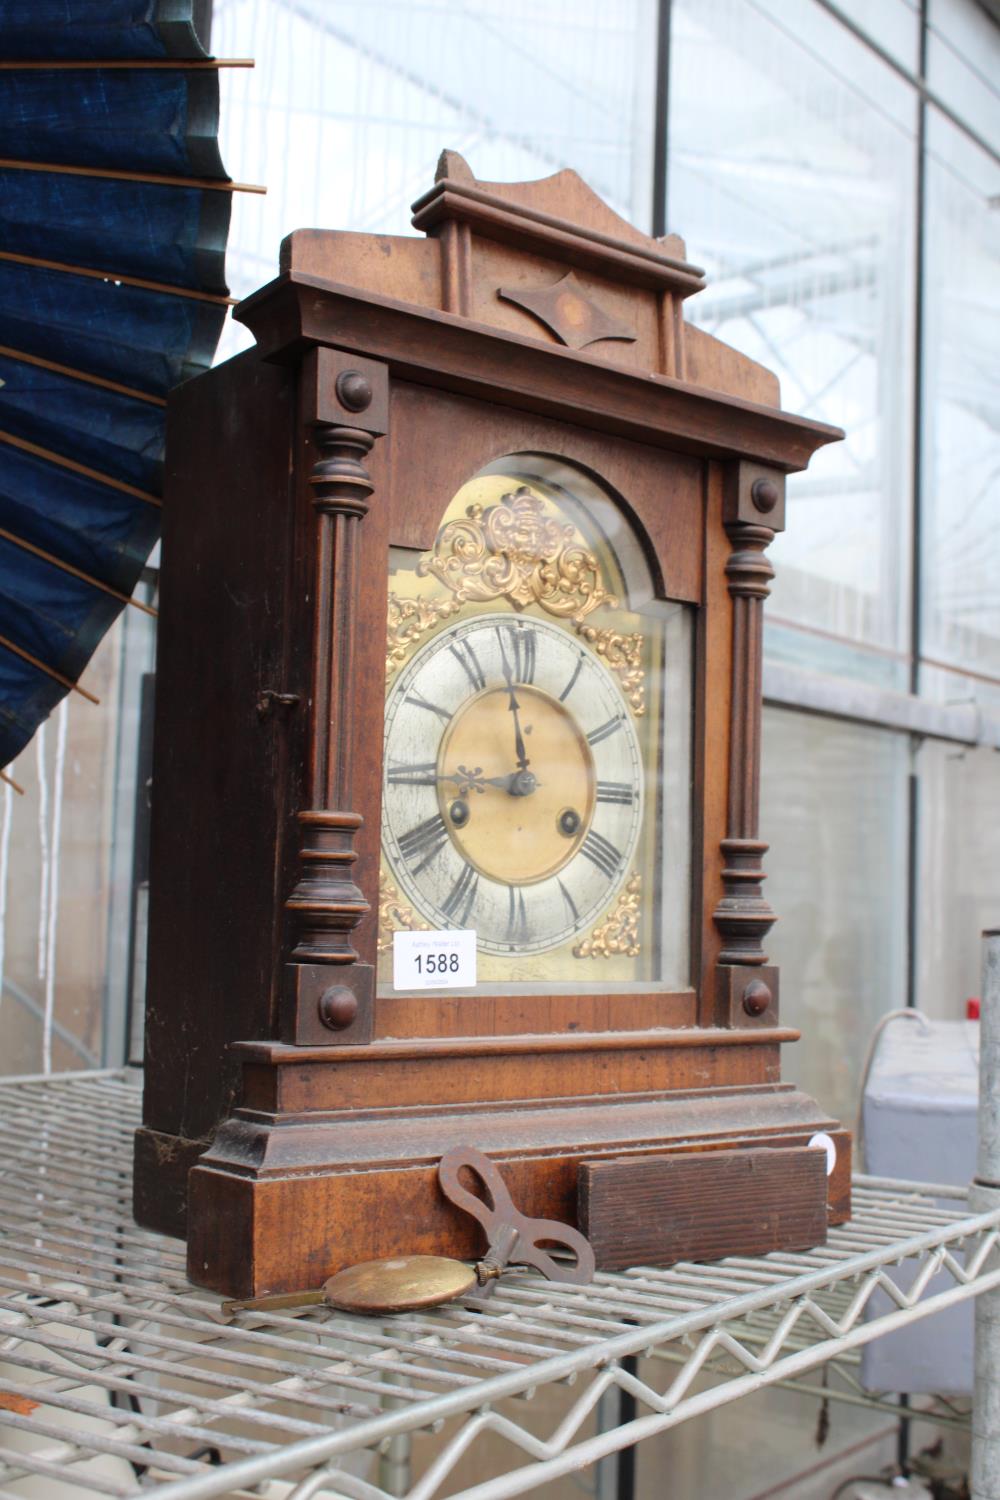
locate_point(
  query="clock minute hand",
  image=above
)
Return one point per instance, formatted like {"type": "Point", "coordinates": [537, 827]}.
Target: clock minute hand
{"type": "Point", "coordinates": [519, 750]}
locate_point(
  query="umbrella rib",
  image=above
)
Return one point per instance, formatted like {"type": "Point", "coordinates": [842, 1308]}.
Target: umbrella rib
{"type": "Point", "coordinates": [170, 64]}
{"type": "Point", "coordinates": [159, 179]}
{"type": "Point", "coordinates": [49, 671]}
{"type": "Point", "coordinates": [118, 278]}
{"type": "Point", "coordinates": [57, 562]}
{"type": "Point", "coordinates": [70, 463]}
{"type": "Point", "coordinates": [108, 385]}
{"type": "Point", "coordinates": [11, 782]}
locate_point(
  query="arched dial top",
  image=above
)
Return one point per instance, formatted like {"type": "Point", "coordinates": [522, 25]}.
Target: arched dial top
{"type": "Point", "coordinates": [513, 786]}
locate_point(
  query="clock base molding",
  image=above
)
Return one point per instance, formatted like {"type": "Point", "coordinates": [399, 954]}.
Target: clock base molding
{"type": "Point", "coordinates": [280, 1201]}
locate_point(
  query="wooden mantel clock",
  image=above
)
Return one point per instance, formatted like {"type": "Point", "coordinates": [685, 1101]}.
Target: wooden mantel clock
{"type": "Point", "coordinates": [463, 576]}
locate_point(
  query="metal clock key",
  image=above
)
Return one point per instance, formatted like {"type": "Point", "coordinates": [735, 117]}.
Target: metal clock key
{"type": "Point", "coordinates": [513, 1237]}
{"type": "Point", "coordinates": [406, 1283]}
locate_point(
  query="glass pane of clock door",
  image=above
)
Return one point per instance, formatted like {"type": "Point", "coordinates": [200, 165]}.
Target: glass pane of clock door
{"type": "Point", "coordinates": [537, 741]}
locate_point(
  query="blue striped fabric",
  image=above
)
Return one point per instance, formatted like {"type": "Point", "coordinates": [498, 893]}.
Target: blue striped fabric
{"type": "Point", "coordinates": [94, 29]}
{"type": "Point", "coordinates": [157, 123]}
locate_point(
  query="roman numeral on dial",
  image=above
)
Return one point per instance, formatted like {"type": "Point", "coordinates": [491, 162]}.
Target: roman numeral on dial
{"type": "Point", "coordinates": [431, 708]}
{"type": "Point", "coordinates": [517, 917]}
{"type": "Point", "coordinates": [522, 644]}
{"type": "Point", "coordinates": [422, 774]}
{"type": "Point", "coordinates": [601, 852]}
{"type": "Point", "coordinates": [462, 897]}
{"type": "Point", "coordinates": [525, 647]}
{"type": "Point", "coordinates": [423, 842]}
{"type": "Point", "coordinates": [618, 792]}
{"type": "Point", "coordinates": [571, 907]}
{"type": "Point", "coordinates": [572, 681]}
{"type": "Point", "coordinates": [611, 726]}
{"type": "Point", "coordinates": [469, 662]}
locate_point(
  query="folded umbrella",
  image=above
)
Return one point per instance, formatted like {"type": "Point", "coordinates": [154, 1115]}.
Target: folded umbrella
{"type": "Point", "coordinates": [114, 213]}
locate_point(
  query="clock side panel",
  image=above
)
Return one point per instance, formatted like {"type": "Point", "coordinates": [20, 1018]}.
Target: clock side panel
{"type": "Point", "coordinates": [226, 753]}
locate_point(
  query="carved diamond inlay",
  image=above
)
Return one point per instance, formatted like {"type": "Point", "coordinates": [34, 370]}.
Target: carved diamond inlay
{"type": "Point", "coordinates": [569, 312]}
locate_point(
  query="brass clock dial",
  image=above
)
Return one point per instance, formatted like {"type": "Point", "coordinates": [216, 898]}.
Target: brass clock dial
{"type": "Point", "coordinates": [513, 783]}
{"type": "Point", "coordinates": [536, 764]}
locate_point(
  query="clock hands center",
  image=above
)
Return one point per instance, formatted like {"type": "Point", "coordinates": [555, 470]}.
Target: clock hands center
{"type": "Point", "coordinates": [519, 783]}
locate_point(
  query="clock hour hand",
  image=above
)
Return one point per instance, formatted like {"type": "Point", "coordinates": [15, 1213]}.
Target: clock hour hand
{"type": "Point", "coordinates": [519, 750]}
{"type": "Point", "coordinates": [467, 780]}
{"type": "Point", "coordinates": [517, 783]}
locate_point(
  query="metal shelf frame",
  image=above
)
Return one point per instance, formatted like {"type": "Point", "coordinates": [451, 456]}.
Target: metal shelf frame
{"type": "Point", "coordinates": [117, 1377]}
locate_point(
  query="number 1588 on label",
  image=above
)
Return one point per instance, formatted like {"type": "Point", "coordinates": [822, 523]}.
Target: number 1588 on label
{"type": "Point", "coordinates": [433, 960]}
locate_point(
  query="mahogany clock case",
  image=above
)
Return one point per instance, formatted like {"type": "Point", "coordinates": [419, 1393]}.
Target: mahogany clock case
{"type": "Point", "coordinates": [293, 1115]}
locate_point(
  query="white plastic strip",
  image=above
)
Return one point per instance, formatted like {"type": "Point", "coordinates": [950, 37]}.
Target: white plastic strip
{"type": "Point", "coordinates": [53, 893]}
{"type": "Point", "coordinates": [43, 848]}
{"type": "Point", "coordinates": [8, 818]}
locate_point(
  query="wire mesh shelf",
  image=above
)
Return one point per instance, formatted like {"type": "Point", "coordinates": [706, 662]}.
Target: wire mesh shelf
{"type": "Point", "coordinates": [117, 1377]}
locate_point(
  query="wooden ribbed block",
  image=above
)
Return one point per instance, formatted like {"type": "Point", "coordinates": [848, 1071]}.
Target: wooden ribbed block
{"type": "Point", "coordinates": [702, 1206]}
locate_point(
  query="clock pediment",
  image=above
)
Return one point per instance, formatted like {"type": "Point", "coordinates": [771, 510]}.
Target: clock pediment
{"type": "Point", "coordinates": [566, 197]}
{"type": "Point", "coordinates": [561, 277]}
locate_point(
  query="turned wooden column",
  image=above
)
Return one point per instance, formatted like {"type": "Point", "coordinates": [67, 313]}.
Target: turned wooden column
{"type": "Point", "coordinates": [330, 993]}
{"type": "Point", "coordinates": [753, 511]}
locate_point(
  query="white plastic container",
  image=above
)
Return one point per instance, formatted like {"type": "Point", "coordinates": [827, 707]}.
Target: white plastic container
{"type": "Point", "coordinates": [920, 1110]}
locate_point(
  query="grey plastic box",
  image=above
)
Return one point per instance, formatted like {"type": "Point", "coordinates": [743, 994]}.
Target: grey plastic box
{"type": "Point", "coordinates": [920, 1110]}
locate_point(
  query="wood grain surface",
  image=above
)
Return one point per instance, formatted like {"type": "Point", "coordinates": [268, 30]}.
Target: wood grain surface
{"type": "Point", "coordinates": [702, 1206]}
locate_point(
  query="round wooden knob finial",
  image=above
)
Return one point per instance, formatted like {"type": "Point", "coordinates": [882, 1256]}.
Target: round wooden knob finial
{"type": "Point", "coordinates": [338, 1007]}
{"type": "Point", "coordinates": [354, 390]}
{"type": "Point", "coordinates": [763, 493]}
{"type": "Point", "coordinates": [756, 998]}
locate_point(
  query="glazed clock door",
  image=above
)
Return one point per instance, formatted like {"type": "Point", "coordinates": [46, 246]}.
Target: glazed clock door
{"type": "Point", "coordinates": [536, 759]}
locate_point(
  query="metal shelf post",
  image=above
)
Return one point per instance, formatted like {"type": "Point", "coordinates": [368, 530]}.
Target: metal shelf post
{"type": "Point", "coordinates": [985, 1196]}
